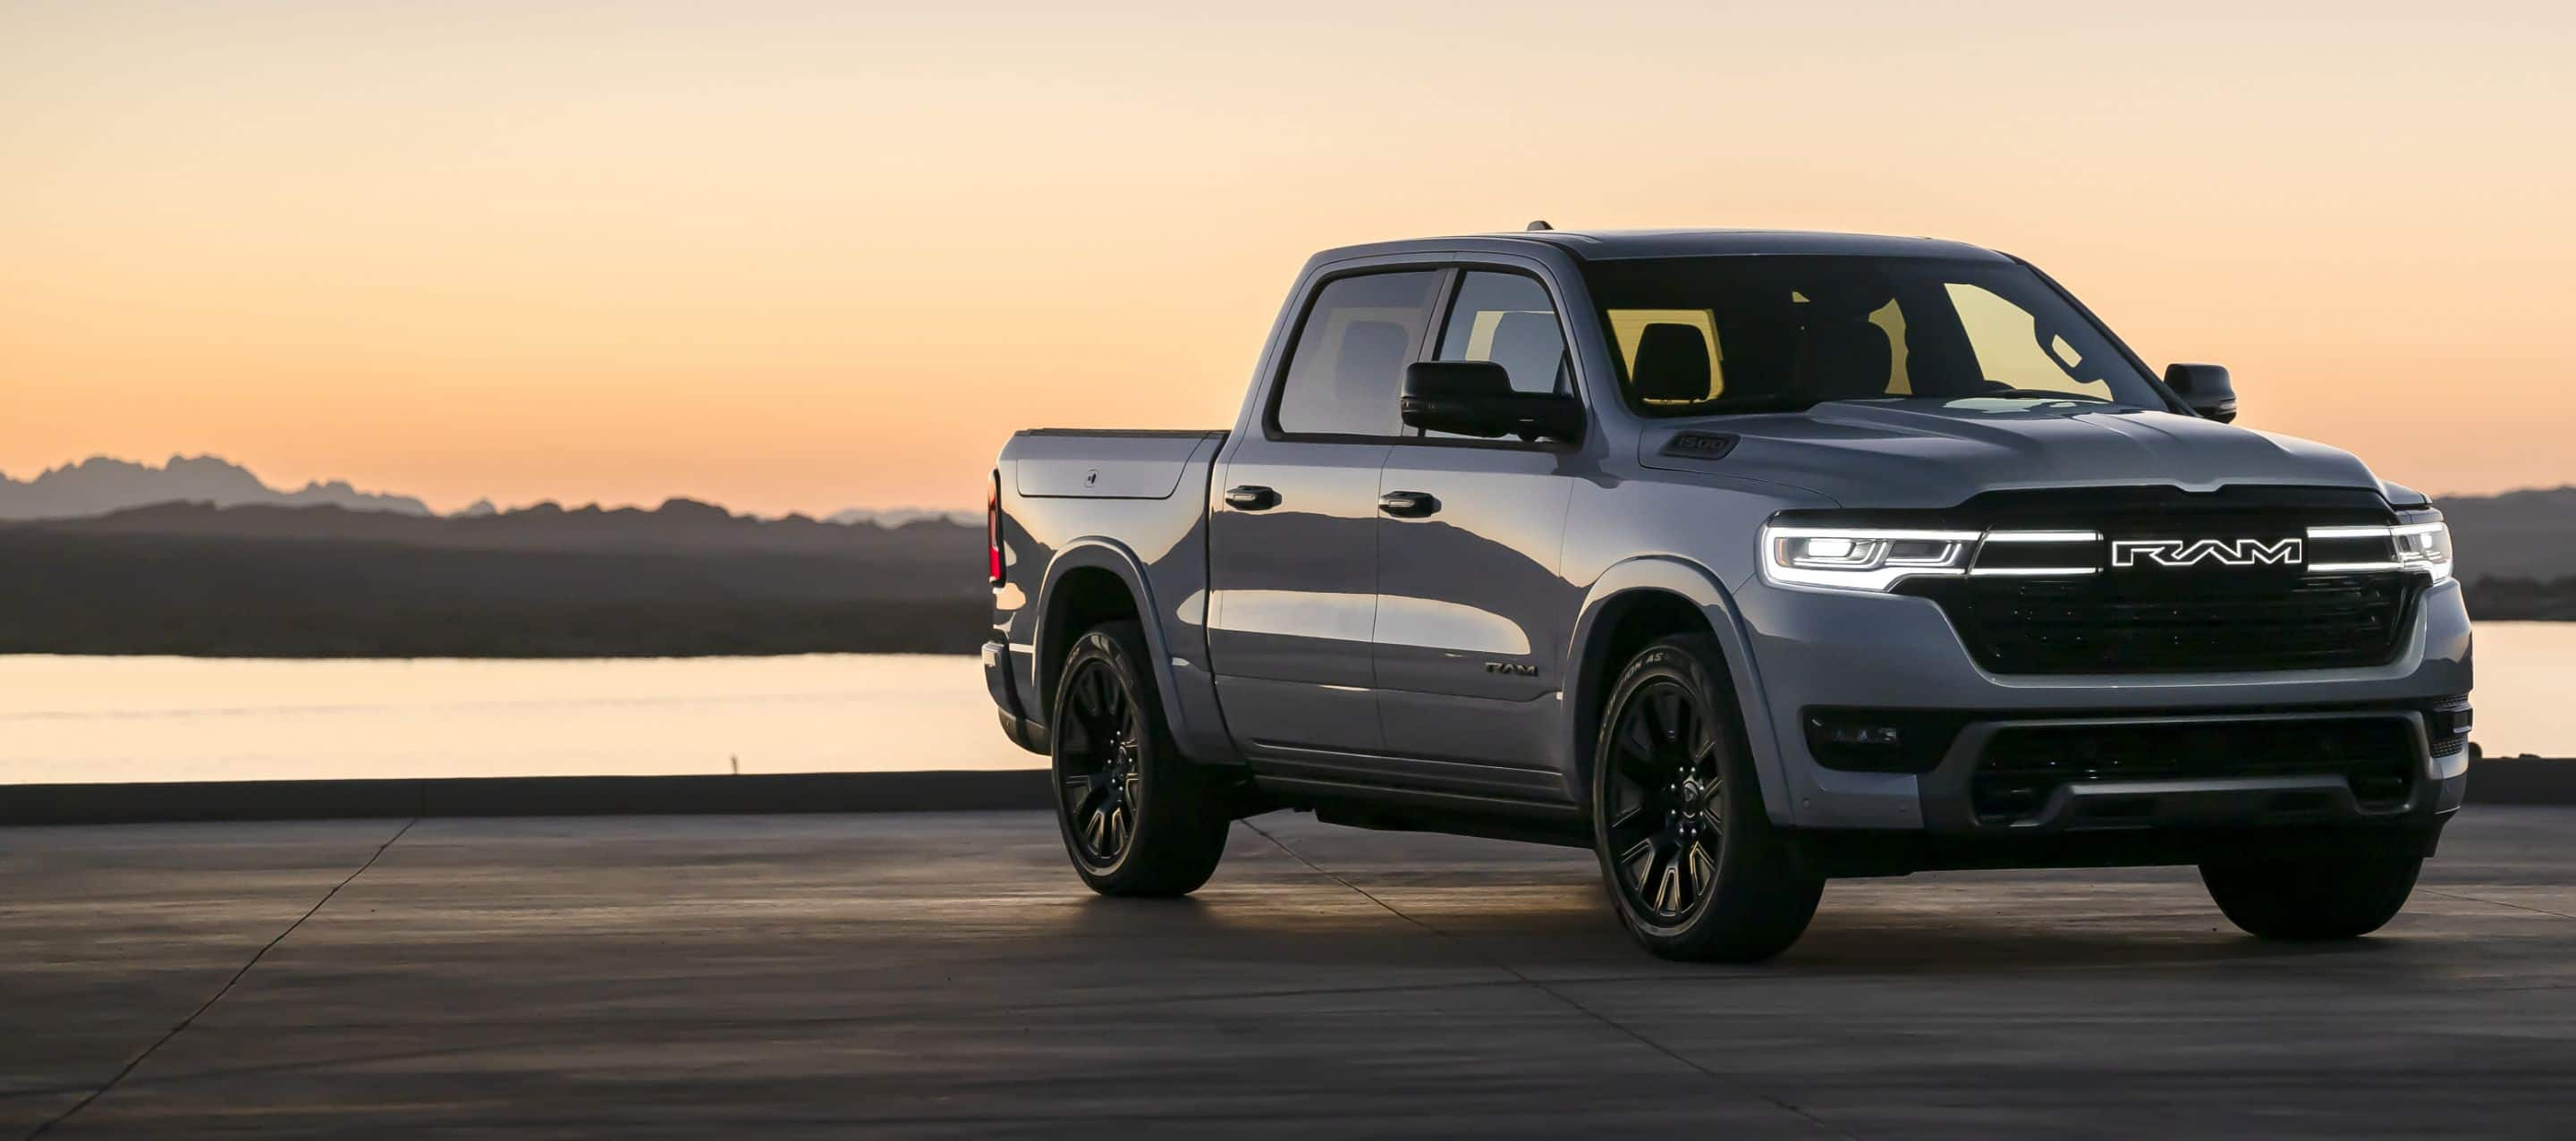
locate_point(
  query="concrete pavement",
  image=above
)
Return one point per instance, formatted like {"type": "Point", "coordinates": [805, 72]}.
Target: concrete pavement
{"type": "Point", "coordinates": [943, 975]}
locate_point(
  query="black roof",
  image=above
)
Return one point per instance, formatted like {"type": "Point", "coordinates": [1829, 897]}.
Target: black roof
{"type": "Point", "coordinates": [1613, 245]}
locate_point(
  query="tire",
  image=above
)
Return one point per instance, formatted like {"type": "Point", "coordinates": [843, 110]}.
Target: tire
{"type": "Point", "coordinates": [1693, 864]}
{"type": "Point", "coordinates": [1137, 818]}
{"type": "Point", "coordinates": [2345, 895]}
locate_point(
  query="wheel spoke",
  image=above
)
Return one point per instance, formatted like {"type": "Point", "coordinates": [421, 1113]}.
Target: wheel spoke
{"type": "Point", "coordinates": [1086, 695]}
{"type": "Point", "coordinates": [1639, 860]}
{"type": "Point", "coordinates": [1703, 869]}
{"type": "Point", "coordinates": [1095, 834]}
{"type": "Point", "coordinates": [1629, 798]}
{"type": "Point", "coordinates": [1650, 723]}
{"type": "Point", "coordinates": [1106, 684]}
{"type": "Point", "coordinates": [1671, 718]}
{"type": "Point", "coordinates": [1668, 887]}
{"type": "Point", "coordinates": [1624, 818]}
{"type": "Point", "coordinates": [1092, 802]}
{"type": "Point", "coordinates": [1637, 739]}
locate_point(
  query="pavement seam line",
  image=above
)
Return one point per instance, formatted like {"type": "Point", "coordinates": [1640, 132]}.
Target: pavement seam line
{"type": "Point", "coordinates": [2499, 903]}
{"type": "Point", "coordinates": [220, 992]}
{"type": "Point", "coordinates": [1614, 1024]}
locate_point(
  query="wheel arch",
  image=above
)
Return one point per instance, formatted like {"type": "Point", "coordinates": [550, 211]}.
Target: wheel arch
{"type": "Point", "coordinates": [1635, 602]}
{"type": "Point", "coordinates": [1091, 580]}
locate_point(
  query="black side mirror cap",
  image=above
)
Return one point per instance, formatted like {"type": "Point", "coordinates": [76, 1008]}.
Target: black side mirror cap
{"type": "Point", "coordinates": [2205, 389]}
{"type": "Point", "coordinates": [1475, 398]}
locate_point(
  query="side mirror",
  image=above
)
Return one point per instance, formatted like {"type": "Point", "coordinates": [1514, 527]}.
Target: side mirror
{"type": "Point", "coordinates": [2205, 389]}
{"type": "Point", "coordinates": [1475, 398]}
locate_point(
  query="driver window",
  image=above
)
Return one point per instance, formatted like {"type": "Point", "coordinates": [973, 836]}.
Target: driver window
{"type": "Point", "coordinates": [1507, 319]}
{"type": "Point", "coordinates": [2012, 350]}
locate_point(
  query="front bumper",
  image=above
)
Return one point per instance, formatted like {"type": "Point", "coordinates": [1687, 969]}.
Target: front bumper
{"type": "Point", "coordinates": [1813, 649]}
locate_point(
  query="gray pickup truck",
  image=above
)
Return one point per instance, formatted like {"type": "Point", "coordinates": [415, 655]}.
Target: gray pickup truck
{"type": "Point", "coordinates": [1747, 560]}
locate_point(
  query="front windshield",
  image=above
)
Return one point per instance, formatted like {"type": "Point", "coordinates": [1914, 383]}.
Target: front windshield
{"type": "Point", "coordinates": [1696, 336]}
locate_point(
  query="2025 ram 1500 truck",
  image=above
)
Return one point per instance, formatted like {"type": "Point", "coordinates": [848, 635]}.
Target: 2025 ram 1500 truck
{"type": "Point", "coordinates": [1747, 560]}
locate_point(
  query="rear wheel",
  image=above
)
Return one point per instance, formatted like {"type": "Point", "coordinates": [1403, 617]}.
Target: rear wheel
{"type": "Point", "coordinates": [2343, 895]}
{"type": "Point", "coordinates": [1693, 864]}
{"type": "Point", "coordinates": [1137, 818]}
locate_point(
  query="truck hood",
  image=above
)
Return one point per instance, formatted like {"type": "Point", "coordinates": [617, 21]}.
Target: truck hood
{"type": "Point", "coordinates": [1938, 452]}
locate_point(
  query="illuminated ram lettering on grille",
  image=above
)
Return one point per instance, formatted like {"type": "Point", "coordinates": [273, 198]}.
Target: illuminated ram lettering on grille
{"type": "Point", "coordinates": [2194, 552]}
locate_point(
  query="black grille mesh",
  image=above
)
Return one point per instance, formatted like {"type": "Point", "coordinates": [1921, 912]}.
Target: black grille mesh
{"type": "Point", "coordinates": [2102, 624]}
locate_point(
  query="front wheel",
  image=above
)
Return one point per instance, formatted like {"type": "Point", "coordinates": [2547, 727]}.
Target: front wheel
{"type": "Point", "coordinates": [2345, 895]}
{"type": "Point", "coordinates": [1137, 818]}
{"type": "Point", "coordinates": [1693, 864]}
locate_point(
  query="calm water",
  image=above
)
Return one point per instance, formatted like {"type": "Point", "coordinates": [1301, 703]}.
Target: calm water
{"type": "Point", "coordinates": [162, 719]}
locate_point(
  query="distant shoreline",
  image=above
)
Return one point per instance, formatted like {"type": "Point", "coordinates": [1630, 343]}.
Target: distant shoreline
{"type": "Point", "coordinates": [662, 630]}
{"type": "Point", "coordinates": [669, 630]}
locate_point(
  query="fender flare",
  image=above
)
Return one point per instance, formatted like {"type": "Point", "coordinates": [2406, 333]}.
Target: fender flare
{"type": "Point", "coordinates": [1694, 583]}
{"type": "Point", "coordinates": [1100, 552]}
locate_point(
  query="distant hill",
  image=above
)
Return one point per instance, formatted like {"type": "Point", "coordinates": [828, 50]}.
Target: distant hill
{"type": "Point", "coordinates": [898, 516]}
{"type": "Point", "coordinates": [99, 485]}
{"type": "Point", "coordinates": [683, 579]}
{"type": "Point", "coordinates": [679, 526]}
{"type": "Point", "coordinates": [2519, 534]}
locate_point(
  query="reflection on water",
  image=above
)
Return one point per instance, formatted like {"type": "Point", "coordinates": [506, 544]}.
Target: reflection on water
{"type": "Point", "coordinates": [2523, 673]}
{"type": "Point", "coordinates": [167, 719]}
{"type": "Point", "coordinates": [163, 719]}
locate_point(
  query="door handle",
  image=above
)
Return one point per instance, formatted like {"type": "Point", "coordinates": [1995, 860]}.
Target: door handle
{"type": "Point", "coordinates": [1408, 504]}
{"type": "Point", "coordinates": [1251, 497]}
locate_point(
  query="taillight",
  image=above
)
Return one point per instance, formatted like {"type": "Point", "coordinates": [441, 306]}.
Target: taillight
{"type": "Point", "coordinates": [993, 530]}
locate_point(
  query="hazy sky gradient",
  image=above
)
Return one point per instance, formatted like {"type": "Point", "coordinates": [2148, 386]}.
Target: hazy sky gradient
{"type": "Point", "coordinates": [805, 255]}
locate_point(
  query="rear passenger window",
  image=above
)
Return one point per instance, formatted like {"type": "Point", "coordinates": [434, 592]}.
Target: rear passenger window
{"type": "Point", "coordinates": [1507, 319]}
{"type": "Point", "coordinates": [1358, 335]}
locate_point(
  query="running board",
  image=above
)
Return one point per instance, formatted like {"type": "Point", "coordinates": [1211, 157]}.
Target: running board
{"type": "Point", "coordinates": [1417, 810]}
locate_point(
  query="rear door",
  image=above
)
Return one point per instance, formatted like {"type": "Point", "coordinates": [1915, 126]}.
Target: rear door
{"type": "Point", "coordinates": [1472, 599]}
{"type": "Point", "coordinates": [1293, 526]}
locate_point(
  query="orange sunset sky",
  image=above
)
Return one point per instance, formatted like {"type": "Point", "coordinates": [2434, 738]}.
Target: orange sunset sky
{"type": "Point", "coordinates": [805, 255]}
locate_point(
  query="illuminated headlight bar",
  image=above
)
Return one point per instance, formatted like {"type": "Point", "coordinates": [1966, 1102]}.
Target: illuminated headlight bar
{"type": "Point", "coordinates": [2423, 546]}
{"type": "Point", "coordinates": [1862, 558]}
{"type": "Point", "coordinates": [1875, 559]}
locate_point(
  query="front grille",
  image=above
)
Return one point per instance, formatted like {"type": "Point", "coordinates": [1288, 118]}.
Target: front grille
{"type": "Point", "coordinates": [2022, 766]}
{"type": "Point", "coordinates": [2104, 623]}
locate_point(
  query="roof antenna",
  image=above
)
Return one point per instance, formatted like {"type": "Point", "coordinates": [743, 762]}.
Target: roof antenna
{"type": "Point", "coordinates": [1541, 224]}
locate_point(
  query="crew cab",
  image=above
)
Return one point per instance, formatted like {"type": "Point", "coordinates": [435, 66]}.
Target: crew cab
{"type": "Point", "coordinates": [1747, 560]}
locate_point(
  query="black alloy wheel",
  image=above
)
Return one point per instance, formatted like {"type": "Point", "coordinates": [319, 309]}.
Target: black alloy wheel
{"type": "Point", "coordinates": [1138, 819]}
{"type": "Point", "coordinates": [1099, 764]}
{"type": "Point", "coordinates": [1695, 867]}
{"type": "Point", "coordinates": [1666, 801]}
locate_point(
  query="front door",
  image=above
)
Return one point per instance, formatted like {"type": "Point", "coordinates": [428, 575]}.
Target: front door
{"type": "Point", "coordinates": [1293, 528]}
{"type": "Point", "coordinates": [1472, 602]}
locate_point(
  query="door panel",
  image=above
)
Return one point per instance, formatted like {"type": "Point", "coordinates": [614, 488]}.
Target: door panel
{"type": "Point", "coordinates": [1472, 606]}
{"type": "Point", "coordinates": [1292, 530]}
{"type": "Point", "coordinates": [1294, 596]}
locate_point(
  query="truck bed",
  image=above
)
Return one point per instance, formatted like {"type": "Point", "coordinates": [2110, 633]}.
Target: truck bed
{"type": "Point", "coordinates": [1109, 463]}
{"type": "Point", "coordinates": [1130, 503]}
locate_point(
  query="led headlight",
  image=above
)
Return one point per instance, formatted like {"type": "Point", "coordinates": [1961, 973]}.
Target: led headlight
{"type": "Point", "coordinates": [1861, 558]}
{"type": "Point", "coordinates": [2421, 543]}
{"type": "Point", "coordinates": [2425, 547]}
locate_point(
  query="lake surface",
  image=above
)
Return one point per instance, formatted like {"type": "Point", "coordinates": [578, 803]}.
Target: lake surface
{"type": "Point", "coordinates": [173, 719]}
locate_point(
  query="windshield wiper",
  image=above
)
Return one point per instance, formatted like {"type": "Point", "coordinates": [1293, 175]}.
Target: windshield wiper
{"type": "Point", "coordinates": [2040, 394]}
{"type": "Point", "coordinates": [1789, 403]}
